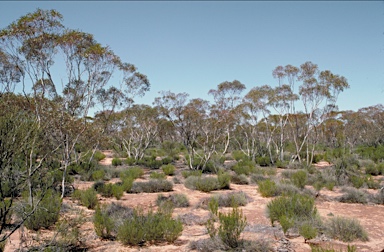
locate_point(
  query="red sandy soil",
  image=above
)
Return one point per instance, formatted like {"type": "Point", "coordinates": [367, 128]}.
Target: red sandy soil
{"type": "Point", "coordinates": [371, 218]}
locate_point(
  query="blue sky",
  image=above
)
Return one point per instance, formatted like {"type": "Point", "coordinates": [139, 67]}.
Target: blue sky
{"type": "Point", "coordinates": [192, 46]}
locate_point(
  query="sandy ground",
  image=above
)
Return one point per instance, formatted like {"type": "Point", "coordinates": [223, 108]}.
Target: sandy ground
{"type": "Point", "coordinates": [371, 218]}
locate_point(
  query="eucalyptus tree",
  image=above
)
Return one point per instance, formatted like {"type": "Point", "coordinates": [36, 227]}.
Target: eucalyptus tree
{"type": "Point", "coordinates": [226, 98]}
{"type": "Point", "coordinates": [319, 92]}
{"type": "Point", "coordinates": [33, 43]}
{"type": "Point", "coordinates": [135, 129]}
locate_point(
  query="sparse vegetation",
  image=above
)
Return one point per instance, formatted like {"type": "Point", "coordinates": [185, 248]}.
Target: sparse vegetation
{"type": "Point", "coordinates": [345, 229]}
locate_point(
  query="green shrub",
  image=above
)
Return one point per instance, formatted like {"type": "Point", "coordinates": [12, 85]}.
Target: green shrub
{"type": "Point", "coordinates": [132, 172]}
{"type": "Point", "coordinates": [372, 169]}
{"type": "Point", "coordinates": [357, 181]}
{"type": "Point", "coordinates": [281, 164]}
{"type": "Point", "coordinates": [127, 184]}
{"type": "Point", "coordinates": [239, 155]}
{"type": "Point", "coordinates": [103, 223]}
{"type": "Point", "coordinates": [130, 161]}
{"type": "Point", "coordinates": [296, 207]}
{"type": "Point", "coordinates": [6, 211]}
{"type": "Point", "coordinates": [299, 179]}
{"type": "Point", "coordinates": [345, 229]}
{"type": "Point", "coordinates": [152, 186]}
{"type": "Point", "coordinates": [245, 167]}
{"type": "Point", "coordinates": [196, 173]}
{"type": "Point", "coordinates": [204, 184]}
{"type": "Point", "coordinates": [157, 175]}
{"type": "Point", "coordinates": [151, 227]}
{"type": "Point", "coordinates": [353, 195]}
{"type": "Point", "coordinates": [168, 169]}
{"type": "Point", "coordinates": [232, 199]}
{"type": "Point", "coordinates": [308, 231]}
{"type": "Point", "coordinates": [117, 191]}
{"type": "Point", "coordinates": [87, 198]}
{"type": "Point", "coordinates": [46, 213]}
{"type": "Point", "coordinates": [231, 226]}
{"type": "Point", "coordinates": [240, 179]}
{"type": "Point", "coordinates": [224, 180]}
{"type": "Point", "coordinates": [255, 178]}
{"type": "Point", "coordinates": [268, 188]}
{"type": "Point", "coordinates": [99, 156]}
{"type": "Point", "coordinates": [117, 162]}
{"type": "Point", "coordinates": [178, 200]}
{"type": "Point", "coordinates": [98, 175]}
{"type": "Point", "coordinates": [371, 183]}
{"type": "Point", "coordinates": [263, 161]}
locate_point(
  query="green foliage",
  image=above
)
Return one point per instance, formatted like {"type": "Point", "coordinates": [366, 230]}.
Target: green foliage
{"type": "Point", "coordinates": [87, 198]}
{"type": "Point", "coordinates": [207, 183]}
{"type": "Point", "coordinates": [299, 179]}
{"type": "Point", "coordinates": [98, 175]}
{"type": "Point", "coordinates": [224, 180]}
{"type": "Point", "coordinates": [127, 184]}
{"type": "Point", "coordinates": [6, 211]}
{"type": "Point", "coordinates": [353, 195]}
{"type": "Point", "coordinates": [375, 153]}
{"type": "Point", "coordinates": [168, 169]}
{"type": "Point", "coordinates": [263, 161]}
{"type": "Point", "coordinates": [99, 156]}
{"type": "Point", "coordinates": [46, 213]}
{"type": "Point", "coordinates": [245, 167]}
{"type": "Point", "coordinates": [345, 229]}
{"type": "Point", "coordinates": [239, 155]}
{"type": "Point", "coordinates": [357, 181]}
{"type": "Point", "coordinates": [297, 207]}
{"type": "Point", "coordinates": [213, 205]}
{"type": "Point", "coordinates": [178, 200]}
{"type": "Point", "coordinates": [117, 162]}
{"type": "Point", "coordinates": [233, 199]}
{"type": "Point", "coordinates": [231, 226]}
{"type": "Point", "coordinates": [196, 173]}
{"type": "Point", "coordinates": [286, 223]}
{"type": "Point", "coordinates": [150, 162]}
{"type": "Point", "coordinates": [268, 188]}
{"type": "Point", "coordinates": [103, 223]}
{"type": "Point", "coordinates": [150, 227]}
{"type": "Point", "coordinates": [152, 186]}
{"type": "Point", "coordinates": [157, 175]}
{"type": "Point", "coordinates": [132, 172]}
{"type": "Point", "coordinates": [241, 179]}
{"type": "Point", "coordinates": [308, 231]}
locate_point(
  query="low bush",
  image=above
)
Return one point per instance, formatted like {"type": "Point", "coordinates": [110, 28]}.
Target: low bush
{"type": "Point", "coordinates": [157, 175]}
{"type": "Point", "coordinates": [132, 172]}
{"type": "Point", "coordinates": [255, 178]}
{"type": "Point", "coordinates": [117, 162]}
{"type": "Point", "coordinates": [232, 199]}
{"type": "Point", "coordinates": [178, 200]}
{"type": "Point", "coordinates": [241, 179]}
{"type": "Point", "coordinates": [263, 161]}
{"type": "Point", "coordinates": [152, 186]}
{"type": "Point", "coordinates": [196, 173]}
{"type": "Point", "coordinates": [296, 207]}
{"type": "Point", "coordinates": [357, 181]}
{"type": "Point", "coordinates": [103, 223]}
{"type": "Point", "coordinates": [224, 180]}
{"type": "Point", "coordinates": [299, 179]}
{"type": "Point", "coordinates": [268, 188]}
{"type": "Point", "coordinates": [308, 231]}
{"type": "Point", "coordinates": [208, 183]}
{"type": "Point", "coordinates": [353, 195]}
{"type": "Point", "coordinates": [109, 190]}
{"type": "Point", "coordinates": [168, 169]}
{"type": "Point", "coordinates": [46, 213]}
{"type": "Point", "coordinates": [151, 227]}
{"type": "Point", "coordinates": [87, 198]}
{"type": "Point", "coordinates": [99, 156]}
{"type": "Point", "coordinates": [345, 229]}
{"type": "Point", "coordinates": [215, 244]}
{"type": "Point", "coordinates": [232, 224]}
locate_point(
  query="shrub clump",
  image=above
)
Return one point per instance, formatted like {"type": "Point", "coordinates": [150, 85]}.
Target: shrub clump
{"type": "Point", "coordinates": [232, 199]}
{"type": "Point", "coordinates": [109, 190]}
{"type": "Point", "coordinates": [132, 172]}
{"type": "Point", "coordinates": [46, 213]}
{"type": "Point", "coordinates": [353, 195]}
{"type": "Point", "coordinates": [178, 200]}
{"type": "Point", "coordinates": [196, 173]}
{"type": "Point", "coordinates": [117, 162]}
{"type": "Point", "coordinates": [208, 183]}
{"type": "Point", "coordinates": [346, 229]}
{"type": "Point", "coordinates": [168, 169]}
{"type": "Point", "coordinates": [157, 175]}
{"type": "Point", "coordinates": [268, 188]}
{"type": "Point", "coordinates": [241, 179]}
{"type": "Point", "coordinates": [152, 186]}
{"type": "Point", "coordinates": [87, 198]}
{"type": "Point", "coordinates": [299, 179]}
{"type": "Point", "coordinates": [151, 227]}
